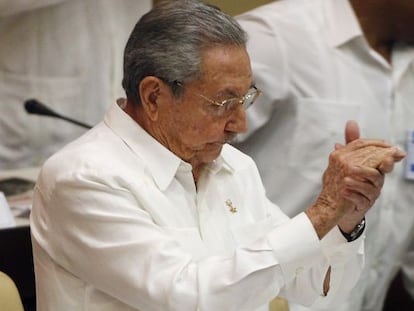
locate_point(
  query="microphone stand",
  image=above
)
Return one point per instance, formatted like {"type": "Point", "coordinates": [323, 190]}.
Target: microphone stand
{"type": "Point", "coordinates": [33, 106]}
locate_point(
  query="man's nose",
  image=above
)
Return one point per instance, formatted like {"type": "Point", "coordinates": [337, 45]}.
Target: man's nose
{"type": "Point", "coordinates": [237, 122]}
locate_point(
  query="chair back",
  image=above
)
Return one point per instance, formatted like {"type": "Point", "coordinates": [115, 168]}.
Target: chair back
{"type": "Point", "coordinates": [279, 304]}
{"type": "Point", "coordinates": [9, 295]}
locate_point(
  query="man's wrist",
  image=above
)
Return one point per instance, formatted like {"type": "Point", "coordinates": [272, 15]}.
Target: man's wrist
{"type": "Point", "coordinates": [355, 233]}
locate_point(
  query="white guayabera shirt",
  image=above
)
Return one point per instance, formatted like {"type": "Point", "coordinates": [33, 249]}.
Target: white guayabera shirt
{"type": "Point", "coordinates": [118, 224]}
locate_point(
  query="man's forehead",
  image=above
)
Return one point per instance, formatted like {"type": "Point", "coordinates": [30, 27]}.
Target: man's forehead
{"type": "Point", "coordinates": [226, 64]}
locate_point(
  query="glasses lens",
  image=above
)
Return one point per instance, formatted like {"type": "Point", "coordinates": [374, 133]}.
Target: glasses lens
{"type": "Point", "coordinates": [250, 98]}
{"type": "Point", "coordinates": [246, 101]}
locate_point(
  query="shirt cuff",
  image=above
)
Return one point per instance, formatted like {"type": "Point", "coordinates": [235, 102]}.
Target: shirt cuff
{"type": "Point", "coordinates": [338, 250]}
{"type": "Point", "coordinates": [295, 245]}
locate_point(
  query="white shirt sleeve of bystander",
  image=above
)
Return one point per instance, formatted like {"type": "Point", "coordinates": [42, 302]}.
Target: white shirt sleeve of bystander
{"type": "Point", "coordinates": [10, 7]}
{"type": "Point", "coordinates": [269, 65]}
{"type": "Point", "coordinates": [408, 272]}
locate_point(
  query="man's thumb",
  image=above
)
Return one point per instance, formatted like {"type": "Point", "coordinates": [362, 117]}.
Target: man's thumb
{"type": "Point", "coordinates": [351, 131]}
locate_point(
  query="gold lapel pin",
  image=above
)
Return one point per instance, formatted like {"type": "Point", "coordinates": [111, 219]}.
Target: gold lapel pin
{"type": "Point", "coordinates": [230, 206]}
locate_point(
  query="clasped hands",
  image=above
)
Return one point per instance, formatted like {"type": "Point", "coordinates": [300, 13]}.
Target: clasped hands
{"type": "Point", "coordinates": [352, 181]}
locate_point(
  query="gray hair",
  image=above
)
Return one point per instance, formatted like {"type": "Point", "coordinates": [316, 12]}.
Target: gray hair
{"type": "Point", "coordinates": [167, 42]}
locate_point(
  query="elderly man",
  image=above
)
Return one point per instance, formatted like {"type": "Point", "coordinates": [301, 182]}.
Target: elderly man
{"type": "Point", "coordinates": [153, 210]}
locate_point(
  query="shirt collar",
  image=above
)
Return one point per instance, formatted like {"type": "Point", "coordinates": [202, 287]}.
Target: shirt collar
{"type": "Point", "coordinates": [402, 59]}
{"type": "Point", "coordinates": [152, 153]}
{"type": "Point", "coordinates": [223, 162]}
{"type": "Point", "coordinates": [161, 163]}
{"type": "Point", "coordinates": [343, 25]}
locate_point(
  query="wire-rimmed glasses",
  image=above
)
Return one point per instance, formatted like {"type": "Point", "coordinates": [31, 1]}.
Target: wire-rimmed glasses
{"type": "Point", "coordinates": [225, 106]}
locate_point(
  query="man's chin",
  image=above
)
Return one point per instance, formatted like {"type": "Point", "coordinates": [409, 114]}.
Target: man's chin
{"type": "Point", "coordinates": [211, 153]}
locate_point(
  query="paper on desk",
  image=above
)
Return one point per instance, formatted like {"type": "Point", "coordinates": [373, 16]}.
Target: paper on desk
{"type": "Point", "coordinates": [17, 186]}
{"type": "Point", "coordinates": [6, 216]}
{"type": "Point", "coordinates": [21, 204]}
{"type": "Point", "coordinates": [19, 194]}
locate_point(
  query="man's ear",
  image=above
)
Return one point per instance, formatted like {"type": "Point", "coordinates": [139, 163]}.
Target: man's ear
{"type": "Point", "coordinates": [151, 90]}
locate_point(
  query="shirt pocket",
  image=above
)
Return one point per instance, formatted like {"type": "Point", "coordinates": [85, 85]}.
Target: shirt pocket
{"type": "Point", "coordinates": [319, 124]}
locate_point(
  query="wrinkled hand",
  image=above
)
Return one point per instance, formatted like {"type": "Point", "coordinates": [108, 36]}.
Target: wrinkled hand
{"type": "Point", "coordinates": [355, 176]}
{"type": "Point", "coordinates": [352, 182]}
{"type": "Point", "coordinates": [352, 175]}
{"type": "Point", "coordinates": [386, 166]}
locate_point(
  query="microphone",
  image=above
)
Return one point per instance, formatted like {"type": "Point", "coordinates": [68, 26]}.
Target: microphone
{"type": "Point", "coordinates": [33, 106]}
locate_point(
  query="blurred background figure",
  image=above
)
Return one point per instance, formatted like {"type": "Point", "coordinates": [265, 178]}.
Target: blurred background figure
{"type": "Point", "coordinates": [233, 7]}
{"type": "Point", "coordinates": [319, 64]}
{"type": "Point", "coordinates": [66, 54]}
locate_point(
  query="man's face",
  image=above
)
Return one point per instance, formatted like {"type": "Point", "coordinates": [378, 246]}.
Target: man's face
{"type": "Point", "coordinates": [192, 127]}
{"type": "Point", "coordinates": [402, 17]}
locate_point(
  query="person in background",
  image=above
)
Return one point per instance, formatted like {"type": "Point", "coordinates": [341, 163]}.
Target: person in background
{"type": "Point", "coordinates": [320, 63]}
{"type": "Point", "coordinates": [152, 209]}
{"type": "Point", "coordinates": [66, 54]}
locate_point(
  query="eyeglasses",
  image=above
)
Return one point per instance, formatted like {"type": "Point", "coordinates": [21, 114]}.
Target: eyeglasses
{"type": "Point", "coordinates": [228, 105]}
